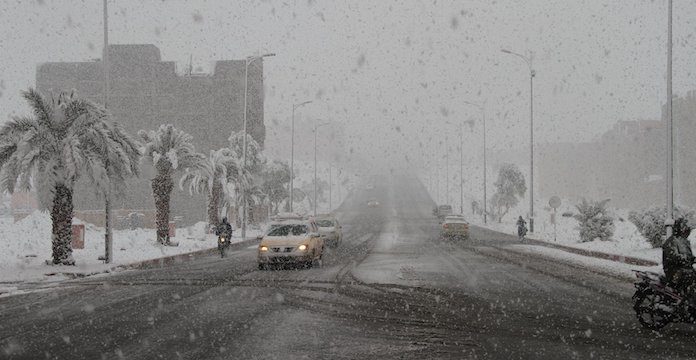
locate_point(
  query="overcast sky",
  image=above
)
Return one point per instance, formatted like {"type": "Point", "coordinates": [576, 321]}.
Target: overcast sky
{"type": "Point", "coordinates": [394, 72]}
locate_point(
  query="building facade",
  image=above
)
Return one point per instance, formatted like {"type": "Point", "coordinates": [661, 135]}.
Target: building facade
{"type": "Point", "coordinates": [146, 92]}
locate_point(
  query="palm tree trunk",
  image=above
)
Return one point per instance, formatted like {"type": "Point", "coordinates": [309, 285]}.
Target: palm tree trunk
{"type": "Point", "coordinates": [214, 204]}
{"type": "Point", "coordinates": [162, 186]}
{"type": "Point", "coordinates": [61, 217]}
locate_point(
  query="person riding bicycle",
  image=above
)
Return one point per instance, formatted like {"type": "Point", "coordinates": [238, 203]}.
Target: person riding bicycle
{"type": "Point", "coordinates": [521, 227]}
{"type": "Point", "coordinates": [678, 260]}
{"type": "Point", "coordinates": [224, 229]}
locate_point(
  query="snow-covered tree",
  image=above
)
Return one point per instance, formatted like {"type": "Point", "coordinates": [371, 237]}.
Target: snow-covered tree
{"type": "Point", "coordinates": [594, 220]}
{"type": "Point", "coordinates": [65, 139]}
{"type": "Point", "coordinates": [276, 179]}
{"type": "Point", "coordinates": [509, 186]}
{"type": "Point", "coordinates": [169, 150]}
{"type": "Point", "coordinates": [251, 173]}
{"type": "Point", "coordinates": [651, 222]}
{"type": "Point", "coordinates": [220, 168]}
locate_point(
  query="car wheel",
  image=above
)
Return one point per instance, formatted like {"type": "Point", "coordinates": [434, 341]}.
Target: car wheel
{"type": "Point", "coordinates": [262, 266]}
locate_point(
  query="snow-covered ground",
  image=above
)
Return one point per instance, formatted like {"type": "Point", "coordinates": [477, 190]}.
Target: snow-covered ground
{"type": "Point", "coordinates": [26, 245]}
{"type": "Point", "coordinates": [627, 241]}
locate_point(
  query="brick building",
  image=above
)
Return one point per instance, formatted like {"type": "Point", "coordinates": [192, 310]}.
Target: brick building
{"type": "Point", "coordinates": [146, 92]}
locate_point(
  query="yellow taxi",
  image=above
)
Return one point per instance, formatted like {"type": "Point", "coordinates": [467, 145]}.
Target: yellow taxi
{"type": "Point", "coordinates": [292, 242]}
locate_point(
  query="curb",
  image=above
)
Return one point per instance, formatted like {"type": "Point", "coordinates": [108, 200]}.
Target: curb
{"type": "Point", "coordinates": [180, 258]}
{"type": "Point", "coordinates": [163, 261]}
{"type": "Point", "coordinates": [595, 254]}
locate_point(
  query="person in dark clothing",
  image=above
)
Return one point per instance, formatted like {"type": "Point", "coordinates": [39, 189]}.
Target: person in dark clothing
{"type": "Point", "coordinates": [521, 228]}
{"type": "Point", "coordinates": [224, 229]}
{"type": "Point", "coordinates": [678, 260]}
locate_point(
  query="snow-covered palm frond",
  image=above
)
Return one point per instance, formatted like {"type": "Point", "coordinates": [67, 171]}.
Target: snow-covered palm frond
{"type": "Point", "coordinates": [43, 110]}
{"type": "Point", "coordinates": [66, 138]}
{"type": "Point", "coordinates": [168, 148]}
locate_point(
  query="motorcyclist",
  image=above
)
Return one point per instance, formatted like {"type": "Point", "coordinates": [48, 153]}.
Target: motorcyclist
{"type": "Point", "coordinates": [678, 260]}
{"type": "Point", "coordinates": [521, 228]}
{"type": "Point", "coordinates": [224, 229]}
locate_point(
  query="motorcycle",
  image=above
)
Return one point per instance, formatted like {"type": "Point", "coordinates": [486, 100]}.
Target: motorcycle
{"type": "Point", "coordinates": [223, 244]}
{"type": "Point", "coordinates": [657, 304]}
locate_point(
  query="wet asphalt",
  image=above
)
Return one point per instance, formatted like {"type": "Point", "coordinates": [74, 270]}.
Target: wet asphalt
{"type": "Point", "coordinates": [392, 290]}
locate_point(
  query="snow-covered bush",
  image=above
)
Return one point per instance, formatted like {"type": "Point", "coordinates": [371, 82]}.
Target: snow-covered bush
{"type": "Point", "coordinates": [651, 222]}
{"type": "Point", "coordinates": [595, 221]}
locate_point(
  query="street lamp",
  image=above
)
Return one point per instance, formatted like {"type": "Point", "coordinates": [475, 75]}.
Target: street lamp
{"type": "Point", "coordinates": [532, 73]}
{"type": "Point", "coordinates": [248, 61]}
{"type": "Point", "coordinates": [485, 197]}
{"type": "Point", "coordinates": [292, 150]}
{"type": "Point", "coordinates": [316, 127]}
{"type": "Point", "coordinates": [669, 221]}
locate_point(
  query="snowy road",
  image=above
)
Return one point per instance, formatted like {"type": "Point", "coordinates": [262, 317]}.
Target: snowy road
{"type": "Point", "coordinates": [393, 290]}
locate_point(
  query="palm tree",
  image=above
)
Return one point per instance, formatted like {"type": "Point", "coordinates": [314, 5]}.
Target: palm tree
{"type": "Point", "coordinates": [168, 150]}
{"type": "Point", "coordinates": [66, 138]}
{"type": "Point", "coordinates": [220, 168]}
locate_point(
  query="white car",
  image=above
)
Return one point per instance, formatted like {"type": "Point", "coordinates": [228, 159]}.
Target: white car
{"type": "Point", "coordinates": [295, 241]}
{"type": "Point", "coordinates": [330, 230]}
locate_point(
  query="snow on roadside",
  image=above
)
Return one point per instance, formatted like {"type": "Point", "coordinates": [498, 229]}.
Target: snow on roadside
{"type": "Point", "coordinates": [615, 268]}
{"type": "Point", "coordinates": [26, 245]}
{"type": "Point", "coordinates": [627, 241]}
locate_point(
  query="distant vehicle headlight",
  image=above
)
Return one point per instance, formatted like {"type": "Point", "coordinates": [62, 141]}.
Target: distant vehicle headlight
{"type": "Point", "coordinates": [302, 247]}
{"type": "Point", "coordinates": [222, 240]}
{"type": "Point", "coordinates": [263, 248]}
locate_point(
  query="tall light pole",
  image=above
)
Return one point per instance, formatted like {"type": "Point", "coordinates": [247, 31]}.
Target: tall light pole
{"type": "Point", "coordinates": [669, 221]}
{"type": "Point", "coordinates": [446, 169]}
{"type": "Point", "coordinates": [248, 61]}
{"type": "Point", "coordinates": [292, 151]}
{"type": "Point", "coordinates": [330, 185]}
{"type": "Point", "coordinates": [108, 235]}
{"type": "Point", "coordinates": [532, 73]}
{"type": "Point", "coordinates": [316, 127]}
{"type": "Point", "coordinates": [485, 197]}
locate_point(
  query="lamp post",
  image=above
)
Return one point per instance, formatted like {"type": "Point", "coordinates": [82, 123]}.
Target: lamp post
{"type": "Point", "coordinates": [247, 62]}
{"type": "Point", "coordinates": [532, 73]}
{"type": "Point", "coordinates": [108, 234]}
{"type": "Point", "coordinates": [316, 127]}
{"type": "Point", "coordinates": [669, 221]}
{"type": "Point", "coordinates": [292, 150]}
{"type": "Point", "coordinates": [485, 197]}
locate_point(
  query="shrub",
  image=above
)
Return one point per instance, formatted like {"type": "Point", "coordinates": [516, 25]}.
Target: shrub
{"type": "Point", "coordinates": [594, 220]}
{"type": "Point", "coordinates": [651, 222]}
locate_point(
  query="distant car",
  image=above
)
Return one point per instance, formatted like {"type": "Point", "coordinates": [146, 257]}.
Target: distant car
{"type": "Point", "coordinates": [455, 227]}
{"type": "Point", "coordinates": [293, 242]}
{"type": "Point", "coordinates": [330, 230]}
{"type": "Point", "coordinates": [372, 203]}
{"type": "Point", "coordinates": [441, 211]}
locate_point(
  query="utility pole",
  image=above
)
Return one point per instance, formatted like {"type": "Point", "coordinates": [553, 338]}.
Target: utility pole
{"type": "Point", "coordinates": [292, 151]}
{"type": "Point", "coordinates": [461, 168]}
{"type": "Point", "coordinates": [532, 73]}
{"type": "Point", "coordinates": [447, 199]}
{"type": "Point", "coordinates": [330, 186]}
{"type": "Point", "coordinates": [316, 127]}
{"type": "Point", "coordinates": [247, 61]}
{"type": "Point", "coordinates": [108, 234]}
{"type": "Point", "coordinates": [485, 195]}
{"type": "Point", "coordinates": [669, 221]}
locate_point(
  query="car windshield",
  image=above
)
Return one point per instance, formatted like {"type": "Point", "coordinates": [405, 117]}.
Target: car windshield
{"type": "Point", "coordinates": [287, 230]}
{"type": "Point", "coordinates": [325, 223]}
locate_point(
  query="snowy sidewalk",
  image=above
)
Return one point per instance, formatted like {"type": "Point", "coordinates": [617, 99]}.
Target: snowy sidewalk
{"type": "Point", "coordinates": [26, 245]}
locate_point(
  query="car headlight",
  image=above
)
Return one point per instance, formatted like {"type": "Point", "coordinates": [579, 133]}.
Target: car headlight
{"type": "Point", "coordinates": [222, 240]}
{"type": "Point", "coordinates": [302, 247]}
{"type": "Point", "coordinates": [263, 248]}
